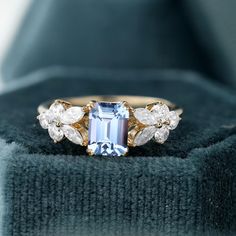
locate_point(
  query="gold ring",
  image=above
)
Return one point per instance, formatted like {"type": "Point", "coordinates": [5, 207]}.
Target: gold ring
{"type": "Point", "coordinates": [109, 125]}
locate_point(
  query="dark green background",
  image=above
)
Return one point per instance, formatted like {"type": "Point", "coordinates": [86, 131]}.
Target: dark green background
{"type": "Point", "coordinates": [178, 50]}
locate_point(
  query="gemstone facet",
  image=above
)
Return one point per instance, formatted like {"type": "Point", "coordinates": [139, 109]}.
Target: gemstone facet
{"type": "Point", "coordinates": [160, 112]}
{"type": "Point", "coordinates": [144, 135]}
{"type": "Point", "coordinates": [173, 119]}
{"type": "Point", "coordinates": [162, 134]}
{"type": "Point", "coordinates": [59, 122]}
{"type": "Point", "coordinates": [158, 121]}
{"type": "Point", "coordinates": [108, 129]}
{"type": "Point", "coordinates": [72, 115]}
{"type": "Point", "coordinates": [144, 116]}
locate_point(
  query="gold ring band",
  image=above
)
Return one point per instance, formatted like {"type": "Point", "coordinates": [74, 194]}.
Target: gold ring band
{"type": "Point", "coordinates": [109, 124]}
{"type": "Point", "coordinates": [134, 101]}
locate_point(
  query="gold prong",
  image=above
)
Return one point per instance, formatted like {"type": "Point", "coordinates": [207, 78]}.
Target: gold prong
{"type": "Point", "coordinates": [90, 153]}
{"type": "Point", "coordinates": [158, 125]}
{"type": "Point", "coordinates": [129, 102]}
{"type": "Point", "coordinates": [126, 154]}
{"type": "Point", "coordinates": [151, 105]}
{"type": "Point", "coordinates": [126, 104]}
{"type": "Point", "coordinates": [83, 131]}
{"type": "Point", "coordinates": [131, 136]}
{"type": "Point", "coordinates": [63, 103]}
{"type": "Point", "coordinates": [87, 108]}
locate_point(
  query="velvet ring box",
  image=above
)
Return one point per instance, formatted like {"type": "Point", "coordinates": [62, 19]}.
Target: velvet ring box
{"type": "Point", "coordinates": [184, 187]}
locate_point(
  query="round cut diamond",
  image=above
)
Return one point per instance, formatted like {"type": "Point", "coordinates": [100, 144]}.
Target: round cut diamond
{"type": "Point", "coordinates": [144, 116]}
{"type": "Point", "coordinates": [161, 134]}
{"type": "Point", "coordinates": [144, 135]}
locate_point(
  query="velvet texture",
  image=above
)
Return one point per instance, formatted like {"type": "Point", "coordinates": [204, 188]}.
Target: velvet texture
{"type": "Point", "coordinates": [191, 35]}
{"type": "Point", "coordinates": [119, 35]}
{"type": "Point", "coordinates": [185, 187]}
{"type": "Point", "coordinates": [136, 47]}
{"type": "Point", "coordinates": [214, 27]}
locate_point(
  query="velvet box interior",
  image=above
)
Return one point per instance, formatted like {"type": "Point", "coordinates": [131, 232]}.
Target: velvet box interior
{"type": "Point", "coordinates": [184, 187]}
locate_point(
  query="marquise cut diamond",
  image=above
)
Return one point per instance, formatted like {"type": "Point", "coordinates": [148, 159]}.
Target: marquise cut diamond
{"type": "Point", "coordinates": [72, 134]}
{"type": "Point", "coordinates": [160, 112]}
{"type": "Point", "coordinates": [144, 135]}
{"type": "Point", "coordinates": [43, 120]}
{"type": "Point", "coordinates": [158, 121]}
{"type": "Point", "coordinates": [173, 120]}
{"type": "Point", "coordinates": [56, 110]}
{"type": "Point", "coordinates": [105, 126]}
{"type": "Point", "coordinates": [55, 133]}
{"type": "Point", "coordinates": [161, 134]}
{"type": "Point", "coordinates": [59, 122]}
{"type": "Point", "coordinates": [72, 115]}
{"type": "Point", "coordinates": [144, 116]}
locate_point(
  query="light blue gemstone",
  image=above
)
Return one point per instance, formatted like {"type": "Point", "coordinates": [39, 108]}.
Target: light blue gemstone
{"type": "Point", "coordinates": [108, 129]}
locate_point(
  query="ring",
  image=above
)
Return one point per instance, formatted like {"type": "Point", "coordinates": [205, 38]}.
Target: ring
{"type": "Point", "coordinates": [109, 125]}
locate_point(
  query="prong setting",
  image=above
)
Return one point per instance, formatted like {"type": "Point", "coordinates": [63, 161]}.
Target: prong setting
{"type": "Point", "coordinates": [135, 126]}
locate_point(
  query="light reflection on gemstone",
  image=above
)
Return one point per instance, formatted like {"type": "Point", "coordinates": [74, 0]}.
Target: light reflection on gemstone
{"type": "Point", "coordinates": [108, 129]}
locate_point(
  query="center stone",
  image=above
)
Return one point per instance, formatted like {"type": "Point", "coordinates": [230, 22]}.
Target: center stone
{"type": "Point", "coordinates": [108, 129]}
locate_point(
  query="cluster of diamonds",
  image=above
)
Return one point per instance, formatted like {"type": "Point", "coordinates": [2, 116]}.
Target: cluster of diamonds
{"type": "Point", "coordinates": [59, 120]}
{"type": "Point", "coordinates": [155, 122]}
{"type": "Point", "coordinates": [62, 120]}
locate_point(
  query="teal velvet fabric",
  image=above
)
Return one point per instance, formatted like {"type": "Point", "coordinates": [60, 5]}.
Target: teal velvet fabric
{"type": "Point", "coordinates": [214, 25]}
{"type": "Point", "coordinates": [184, 187]}
{"type": "Point", "coordinates": [133, 34]}
{"type": "Point", "coordinates": [191, 35]}
{"type": "Point", "coordinates": [135, 47]}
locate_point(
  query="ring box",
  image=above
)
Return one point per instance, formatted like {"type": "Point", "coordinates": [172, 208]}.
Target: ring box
{"type": "Point", "coordinates": [184, 187]}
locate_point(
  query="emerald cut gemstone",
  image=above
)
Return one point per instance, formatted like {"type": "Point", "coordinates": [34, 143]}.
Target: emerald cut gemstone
{"type": "Point", "coordinates": [108, 129]}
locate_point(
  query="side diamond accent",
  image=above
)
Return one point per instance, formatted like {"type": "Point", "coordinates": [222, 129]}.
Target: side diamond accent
{"type": "Point", "coordinates": [72, 115]}
{"type": "Point", "coordinates": [160, 112]}
{"type": "Point", "coordinates": [173, 120]}
{"type": "Point", "coordinates": [43, 120]}
{"type": "Point", "coordinates": [59, 120]}
{"type": "Point", "coordinates": [56, 110]}
{"type": "Point", "coordinates": [55, 133]}
{"type": "Point", "coordinates": [144, 116]}
{"type": "Point", "coordinates": [144, 135]}
{"type": "Point", "coordinates": [72, 134]}
{"type": "Point", "coordinates": [161, 134]}
{"type": "Point", "coordinates": [158, 121]}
